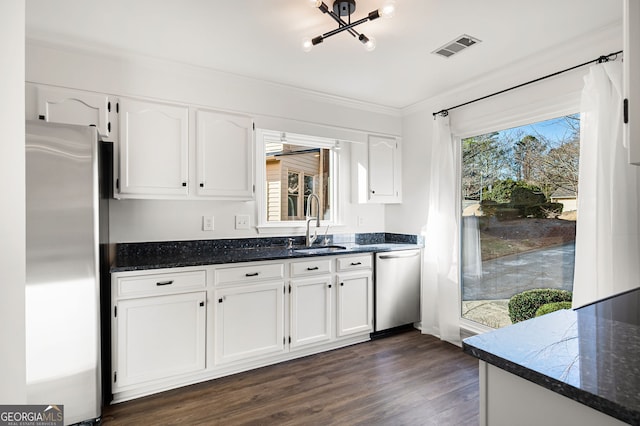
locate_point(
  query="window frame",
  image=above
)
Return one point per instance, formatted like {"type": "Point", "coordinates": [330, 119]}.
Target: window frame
{"type": "Point", "coordinates": [263, 137]}
{"type": "Point", "coordinates": [508, 111]}
{"type": "Point", "coordinates": [467, 322]}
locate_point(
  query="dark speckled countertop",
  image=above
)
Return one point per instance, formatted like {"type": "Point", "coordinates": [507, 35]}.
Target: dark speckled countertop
{"type": "Point", "coordinates": [591, 355]}
{"type": "Point", "coordinates": [156, 255]}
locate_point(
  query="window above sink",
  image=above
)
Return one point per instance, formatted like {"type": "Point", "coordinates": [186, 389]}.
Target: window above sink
{"type": "Point", "coordinates": [290, 168]}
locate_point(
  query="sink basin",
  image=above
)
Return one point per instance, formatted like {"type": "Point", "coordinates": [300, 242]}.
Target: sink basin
{"type": "Point", "coordinates": [319, 249]}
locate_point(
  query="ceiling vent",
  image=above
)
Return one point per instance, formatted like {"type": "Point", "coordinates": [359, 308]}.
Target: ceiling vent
{"type": "Point", "coordinates": [456, 46]}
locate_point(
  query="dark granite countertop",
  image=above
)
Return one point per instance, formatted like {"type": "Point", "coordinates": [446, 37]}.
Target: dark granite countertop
{"type": "Point", "coordinates": [143, 256]}
{"type": "Point", "coordinates": [591, 354]}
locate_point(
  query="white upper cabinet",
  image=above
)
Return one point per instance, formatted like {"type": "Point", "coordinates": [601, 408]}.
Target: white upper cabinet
{"type": "Point", "coordinates": [631, 81]}
{"type": "Point", "coordinates": [376, 169]}
{"type": "Point", "coordinates": [224, 155]}
{"type": "Point", "coordinates": [154, 146]}
{"type": "Point", "coordinates": [68, 106]}
{"type": "Point", "coordinates": [384, 159]}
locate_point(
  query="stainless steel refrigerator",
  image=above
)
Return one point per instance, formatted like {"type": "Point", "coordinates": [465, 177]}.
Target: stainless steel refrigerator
{"type": "Point", "coordinates": [66, 241]}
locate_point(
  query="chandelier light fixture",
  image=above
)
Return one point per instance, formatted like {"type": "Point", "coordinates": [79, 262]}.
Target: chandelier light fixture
{"type": "Point", "coordinates": [346, 8]}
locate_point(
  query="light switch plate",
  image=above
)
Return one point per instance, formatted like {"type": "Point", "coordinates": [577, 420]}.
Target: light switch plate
{"type": "Point", "coordinates": [207, 223]}
{"type": "Point", "coordinates": [242, 221]}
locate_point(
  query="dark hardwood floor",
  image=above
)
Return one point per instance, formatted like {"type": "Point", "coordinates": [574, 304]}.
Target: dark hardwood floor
{"type": "Point", "coordinates": [403, 379]}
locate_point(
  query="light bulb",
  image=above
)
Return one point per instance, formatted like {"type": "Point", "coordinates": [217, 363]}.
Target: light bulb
{"type": "Point", "coordinates": [314, 3]}
{"type": "Point", "coordinates": [388, 9]}
{"type": "Point", "coordinates": [307, 44]}
{"type": "Point", "coordinates": [370, 44]}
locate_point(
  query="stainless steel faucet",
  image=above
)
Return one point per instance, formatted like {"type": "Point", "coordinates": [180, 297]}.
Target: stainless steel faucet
{"type": "Point", "coordinates": [311, 239]}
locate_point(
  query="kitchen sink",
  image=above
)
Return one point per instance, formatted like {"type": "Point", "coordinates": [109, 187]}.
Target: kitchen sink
{"type": "Point", "coordinates": [319, 249]}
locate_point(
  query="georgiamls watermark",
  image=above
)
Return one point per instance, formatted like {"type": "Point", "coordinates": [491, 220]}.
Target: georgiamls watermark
{"type": "Point", "coordinates": [31, 415]}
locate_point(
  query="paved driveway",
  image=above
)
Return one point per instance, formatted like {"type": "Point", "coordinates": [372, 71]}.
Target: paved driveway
{"type": "Point", "coordinates": [501, 278]}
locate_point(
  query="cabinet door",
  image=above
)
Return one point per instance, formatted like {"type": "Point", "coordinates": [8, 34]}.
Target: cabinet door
{"type": "Point", "coordinates": [249, 321]}
{"type": "Point", "coordinates": [153, 149]}
{"type": "Point", "coordinates": [67, 106]}
{"type": "Point", "coordinates": [225, 152]}
{"type": "Point", "coordinates": [159, 337]}
{"type": "Point", "coordinates": [631, 84]}
{"type": "Point", "coordinates": [355, 304]}
{"type": "Point", "coordinates": [384, 170]}
{"type": "Point", "coordinates": [311, 310]}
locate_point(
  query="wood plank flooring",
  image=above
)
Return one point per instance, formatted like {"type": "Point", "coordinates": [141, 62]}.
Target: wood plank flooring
{"type": "Point", "coordinates": [403, 379]}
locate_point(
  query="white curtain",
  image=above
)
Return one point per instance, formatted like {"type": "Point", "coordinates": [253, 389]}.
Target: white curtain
{"type": "Point", "coordinates": [607, 237]}
{"type": "Point", "coordinates": [471, 247]}
{"type": "Point", "coordinates": [441, 271]}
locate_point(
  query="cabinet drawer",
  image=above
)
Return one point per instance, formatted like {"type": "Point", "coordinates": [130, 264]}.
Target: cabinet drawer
{"type": "Point", "coordinates": [354, 262]}
{"type": "Point", "coordinates": [311, 267]}
{"type": "Point", "coordinates": [142, 285]}
{"type": "Point", "coordinates": [242, 274]}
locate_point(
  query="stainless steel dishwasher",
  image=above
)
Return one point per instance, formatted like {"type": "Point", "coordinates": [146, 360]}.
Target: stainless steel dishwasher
{"type": "Point", "coordinates": [397, 289]}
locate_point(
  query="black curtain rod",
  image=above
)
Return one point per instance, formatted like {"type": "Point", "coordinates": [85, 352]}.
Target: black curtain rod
{"type": "Point", "coordinates": [601, 59]}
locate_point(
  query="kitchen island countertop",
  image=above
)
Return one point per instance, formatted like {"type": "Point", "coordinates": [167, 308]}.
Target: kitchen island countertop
{"type": "Point", "coordinates": [591, 354]}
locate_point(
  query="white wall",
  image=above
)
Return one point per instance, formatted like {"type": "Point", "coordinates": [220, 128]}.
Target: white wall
{"type": "Point", "coordinates": [519, 106]}
{"type": "Point", "coordinates": [273, 106]}
{"type": "Point", "coordinates": [12, 215]}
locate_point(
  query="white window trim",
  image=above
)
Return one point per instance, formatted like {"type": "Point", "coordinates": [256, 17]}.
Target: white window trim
{"type": "Point", "coordinates": [294, 226]}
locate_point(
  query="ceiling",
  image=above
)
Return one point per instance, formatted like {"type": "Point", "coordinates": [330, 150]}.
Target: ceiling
{"type": "Point", "coordinates": [262, 39]}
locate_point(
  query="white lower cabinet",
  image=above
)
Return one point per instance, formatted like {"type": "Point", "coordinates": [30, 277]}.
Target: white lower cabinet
{"type": "Point", "coordinates": [311, 303]}
{"type": "Point", "coordinates": [355, 304]}
{"type": "Point", "coordinates": [355, 295]}
{"type": "Point", "coordinates": [311, 311]}
{"type": "Point", "coordinates": [159, 337]}
{"type": "Point", "coordinates": [158, 328]}
{"type": "Point", "coordinates": [249, 321]}
{"type": "Point", "coordinates": [179, 326]}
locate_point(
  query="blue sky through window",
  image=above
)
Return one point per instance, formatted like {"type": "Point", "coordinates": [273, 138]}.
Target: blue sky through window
{"type": "Point", "coordinates": [554, 130]}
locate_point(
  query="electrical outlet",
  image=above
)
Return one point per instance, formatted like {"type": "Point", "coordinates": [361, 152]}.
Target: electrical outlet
{"type": "Point", "coordinates": [242, 221]}
{"type": "Point", "coordinates": [360, 220]}
{"type": "Point", "coordinates": [207, 223]}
